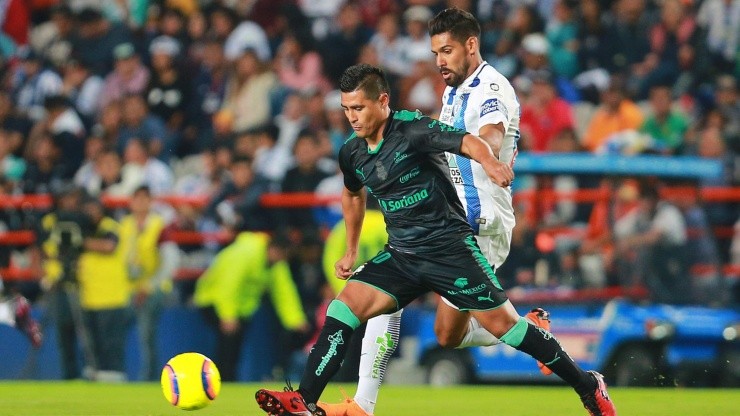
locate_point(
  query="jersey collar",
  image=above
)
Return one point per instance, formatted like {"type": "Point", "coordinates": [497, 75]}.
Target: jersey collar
{"type": "Point", "coordinates": [385, 134]}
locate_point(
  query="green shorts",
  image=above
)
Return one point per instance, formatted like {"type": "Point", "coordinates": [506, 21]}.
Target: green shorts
{"type": "Point", "coordinates": [460, 273]}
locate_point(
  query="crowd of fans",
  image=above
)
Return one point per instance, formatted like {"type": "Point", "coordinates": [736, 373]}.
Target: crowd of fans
{"type": "Point", "coordinates": [230, 100]}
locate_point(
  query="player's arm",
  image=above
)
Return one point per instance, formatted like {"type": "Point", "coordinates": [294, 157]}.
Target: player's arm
{"type": "Point", "coordinates": [493, 134]}
{"type": "Point", "coordinates": [353, 209]}
{"type": "Point", "coordinates": [479, 150]}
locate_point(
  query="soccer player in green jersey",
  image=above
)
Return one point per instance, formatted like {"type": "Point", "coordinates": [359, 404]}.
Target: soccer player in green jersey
{"type": "Point", "coordinates": [399, 157]}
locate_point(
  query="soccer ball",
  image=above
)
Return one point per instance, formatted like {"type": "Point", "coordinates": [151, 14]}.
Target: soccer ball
{"type": "Point", "coordinates": [190, 381]}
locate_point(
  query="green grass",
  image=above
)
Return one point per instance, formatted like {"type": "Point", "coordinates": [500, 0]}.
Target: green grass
{"type": "Point", "coordinates": [80, 398]}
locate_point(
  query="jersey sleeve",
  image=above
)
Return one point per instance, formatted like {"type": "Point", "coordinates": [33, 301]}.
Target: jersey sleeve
{"type": "Point", "coordinates": [351, 181]}
{"type": "Point", "coordinates": [493, 105]}
{"type": "Point", "coordinates": [429, 135]}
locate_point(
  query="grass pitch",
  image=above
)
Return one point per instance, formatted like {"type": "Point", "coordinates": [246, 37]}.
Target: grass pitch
{"type": "Point", "coordinates": [87, 399]}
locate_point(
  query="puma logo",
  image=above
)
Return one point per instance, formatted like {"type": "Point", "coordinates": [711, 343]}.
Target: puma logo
{"type": "Point", "coordinates": [488, 298]}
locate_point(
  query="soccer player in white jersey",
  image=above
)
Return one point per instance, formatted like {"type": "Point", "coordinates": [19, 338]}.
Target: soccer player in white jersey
{"type": "Point", "coordinates": [479, 100]}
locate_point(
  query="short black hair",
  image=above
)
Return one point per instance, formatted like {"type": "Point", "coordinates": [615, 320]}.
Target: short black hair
{"type": "Point", "coordinates": [460, 24]}
{"type": "Point", "coordinates": [143, 188]}
{"type": "Point", "coordinates": [370, 79]}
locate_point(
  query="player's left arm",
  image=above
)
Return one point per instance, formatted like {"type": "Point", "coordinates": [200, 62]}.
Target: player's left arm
{"type": "Point", "coordinates": [479, 150]}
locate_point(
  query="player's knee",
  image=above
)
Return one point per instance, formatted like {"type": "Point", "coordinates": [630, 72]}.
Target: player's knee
{"type": "Point", "coordinates": [447, 338]}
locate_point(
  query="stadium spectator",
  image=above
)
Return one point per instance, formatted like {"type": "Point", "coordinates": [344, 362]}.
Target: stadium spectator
{"type": "Point", "coordinates": [169, 93]}
{"type": "Point", "coordinates": [52, 39]}
{"type": "Point", "coordinates": [31, 83]}
{"type": "Point", "coordinates": [129, 75]}
{"type": "Point", "coordinates": [158, 176]}
{"type": "Point", "coordinates": [627, 36]}
{"type": "Point", "coordinates": [291, 121]}
{"type": "Point", "coordinates": [664, 125]}
{"type": "Point", "coordinates": [337, 125]}
{"type": "Point", "coordinates": [248, 35]}
{"type": "Point", "coordinates": [152, 261]}
{"type": "Point", "coordinates": [94, 146]}
{"type": "Point", "coordinates": [390, 46]}
{"type": "Point", "coordinates": [701, 250]}
{"type": "Point", "coordinates": [45, 172]}
{"type": "Point", "coordinates": [104, 291]}
{"type": "Point", "coordinates": [341, 47]}
{"type": "Point", "coordinates": [248, 92]}
{"type": "Point", "coordinates": [83, 89]}
{"type": "Point", "coordinates": [593, 50]}
{"type": "Point", "coordinates": [140, 123]}
{"type": "Point", "coordinates": [95, 41]}
{"type": "Point", "coordinates": [111, 179]}
{"type": "Point", "coordinates": [171, 24]}
{"type": "Point", "coordinates": [616, 115]}
{"type": "Point", "coordinates": [673, 50]}
{"type": "Point", "coordinates": [304, 177]}
{"type": "Point", "coordinates": [209, 89]}
{"type": "Point", "coordinates": [720, 19]}
{"type": "Point", "coordinates": [59, 244]}
{"type": "Point", "coordinates": [12, 167]}
{"type": "Point", "coordinates": [109, 123]}
{"type": "Point", "coordinates": [67, 130]}
{"type": "Point", "coordinates": [299, 66]}
{"type": "Point", "coordinates": [236, 206]}
{"type": "Point", "coordinates": [728, 105]}
{"type": "Point", "coordinates": [16, 28]}
{"type": "Point", "coordinates": [416, 41]}
{"type": "Point", "coordinates": [562, 34]}
{"type": "Point", "coordinates": [231, 290]}
{"type": "Point", "coordinates": [651, 245]}
{"type": "Point", "coordinates": [204, 180]}
{"type": "Point", "coordinates": [544, 114]}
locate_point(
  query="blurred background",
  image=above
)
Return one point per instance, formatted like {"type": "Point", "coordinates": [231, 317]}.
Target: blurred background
{"type": "Point", "coordinates": [169, 182]}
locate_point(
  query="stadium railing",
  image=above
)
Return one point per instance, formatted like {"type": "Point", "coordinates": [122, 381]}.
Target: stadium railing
{"type": "Point", "coordinates": [24, 238]}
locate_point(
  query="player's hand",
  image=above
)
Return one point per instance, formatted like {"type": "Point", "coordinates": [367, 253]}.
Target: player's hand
{"type": "Point", "coordinates": [343, 268]}
{"type": "Point", "coordinates": [500, 173]}
{"type": "Point", "coordinates": [229, 326]}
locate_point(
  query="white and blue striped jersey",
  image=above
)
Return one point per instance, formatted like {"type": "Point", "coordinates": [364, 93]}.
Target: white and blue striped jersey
{"type": "Point", "coordinates": [485, 97]}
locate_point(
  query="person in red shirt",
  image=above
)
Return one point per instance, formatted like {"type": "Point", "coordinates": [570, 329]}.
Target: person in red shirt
{"type": "Point", "coordinates": [544, 114]}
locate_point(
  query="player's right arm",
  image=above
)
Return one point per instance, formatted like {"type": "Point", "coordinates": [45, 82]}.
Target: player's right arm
{"type": "Point", "coordinates": [477, 149]}
{"type": "Point", "coordinates": [493, 134]}
{"type": "Point", "coordinates": [353, 209]}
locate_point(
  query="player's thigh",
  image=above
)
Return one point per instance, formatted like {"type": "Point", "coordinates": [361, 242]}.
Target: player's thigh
{"type": "Point", "coordinates": [366, 301]}
{"type": "Point", "coordinates": [463, 276]}
{"type": "Point", "coordinates": [450, 324]}
{"type": "Point", "coordinates": [386, 276]}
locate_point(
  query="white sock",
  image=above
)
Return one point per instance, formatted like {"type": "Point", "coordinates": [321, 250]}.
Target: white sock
{"type": "Point", "coordinates": [381, 339]}
{"type": "Point", "coordinates": [477, 336]}
{"type": "Point", "coordinates": [7, 312]}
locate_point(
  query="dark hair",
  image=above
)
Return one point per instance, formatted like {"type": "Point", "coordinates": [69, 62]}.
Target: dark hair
{"type": "Point", "coordinates": [370, 79]}
{"type": "Point", "coordinates": [460, 24]}
{"type": "Point", "coordinates": [143, 188]}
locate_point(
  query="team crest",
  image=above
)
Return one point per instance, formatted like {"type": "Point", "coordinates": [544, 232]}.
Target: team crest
{"type": "Point", "coordinates": [380, 170]}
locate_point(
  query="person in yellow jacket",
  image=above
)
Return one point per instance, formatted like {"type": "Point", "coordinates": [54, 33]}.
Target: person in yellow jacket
{"type": "Point", "coordinates": [104, 291]}
{"type": "Point", "coordinates": [372, 241]}
{"type": "Point", "coordinates": [230, 291]}
{"type": "Point", "coordinates": [152, 261]}
{"type": "Point", "coordinates": [59, 245]}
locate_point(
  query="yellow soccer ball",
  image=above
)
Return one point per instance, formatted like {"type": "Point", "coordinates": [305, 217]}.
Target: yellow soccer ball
{"type": "Point", "coordinates": [190, 381]}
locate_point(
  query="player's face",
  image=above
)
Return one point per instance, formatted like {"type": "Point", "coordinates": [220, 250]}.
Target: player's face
{"type": "Point", "coordinates": [365, 115]}
{"type": "Point", "coordinates": [452, 57]}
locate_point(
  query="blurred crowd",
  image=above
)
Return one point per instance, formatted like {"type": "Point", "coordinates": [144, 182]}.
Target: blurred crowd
{"type": "Point", "coordinates": [229, 100]}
